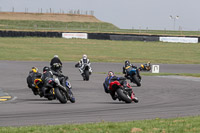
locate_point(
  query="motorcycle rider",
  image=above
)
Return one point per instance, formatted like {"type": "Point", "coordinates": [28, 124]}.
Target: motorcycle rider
{"type": "Point", "coordinates": [56, 68]}
{"type": "Point", "coordinates": [56, 64]}
{"type": "Point", "coordinates": [110, 78]}
{"type": "Point", "coordinates": [146, 67]}
{"type": "Point", "coordinates": [81, 63]}
{"type": "Point", "coordinates": [33, 74]}
{"type": "Point", "coordinates": [46, 77]}
{"type": "Point", "coordinates": [128, 67]}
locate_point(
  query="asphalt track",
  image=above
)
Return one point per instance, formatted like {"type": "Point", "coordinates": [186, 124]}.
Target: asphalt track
{"type": "Point", "coordinates": [159, 96]}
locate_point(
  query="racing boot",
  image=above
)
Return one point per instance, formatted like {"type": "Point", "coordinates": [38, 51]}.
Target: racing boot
{"type": "Point", "coordinates": [135, 99]}
{"type": "Point", "coordinates": [35, 92]}
{"type": "Point", "coordinates": [83, 75]}
{"type": "Point", "coordinates": [114, 97]}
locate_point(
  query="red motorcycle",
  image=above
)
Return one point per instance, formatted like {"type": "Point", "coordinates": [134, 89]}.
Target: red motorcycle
{"type": "Point", "coordinates": [124, 92]}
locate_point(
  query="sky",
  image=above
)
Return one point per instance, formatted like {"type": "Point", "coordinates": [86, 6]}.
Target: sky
{"type": "Point", "coordinates": [125, 14]}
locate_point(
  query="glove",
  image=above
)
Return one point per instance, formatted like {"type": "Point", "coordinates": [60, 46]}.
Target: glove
{"type": "Point", "coordinates": [77, 65]}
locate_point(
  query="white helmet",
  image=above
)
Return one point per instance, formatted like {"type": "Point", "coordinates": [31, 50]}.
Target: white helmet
{"type": "Point", "coordinates": [56, 56]}
{"type": "Point", "coordinates": [84, 56]}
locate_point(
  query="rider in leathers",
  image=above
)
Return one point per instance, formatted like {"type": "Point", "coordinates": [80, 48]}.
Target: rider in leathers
{"type": "Point", "coordinates": [81, 63]}
{"type": "Point", "coordinates": [128, 67]}
{"type": "Point", "coordinates": [56, 64]}
{"type": "Point", "coordinates": [33, 74]}
{"type": "Point", "coordinates": [46, 77]}
{"type": "Point", "coordinates": [110, 78]}
{"type": "Point", "coordinates": [56, 69]}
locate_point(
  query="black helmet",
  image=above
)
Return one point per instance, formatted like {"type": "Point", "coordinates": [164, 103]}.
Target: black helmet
{"type": "Point", "coordinates": [127, 63]}
{"type": "Point", "coordinates": [56, 65]}
{"type": "Point", "coordinates": [46, 68]}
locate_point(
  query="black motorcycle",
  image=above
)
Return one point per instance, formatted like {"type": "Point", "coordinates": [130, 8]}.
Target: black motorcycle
{"type": "Point", "coordinates": [61, 91]}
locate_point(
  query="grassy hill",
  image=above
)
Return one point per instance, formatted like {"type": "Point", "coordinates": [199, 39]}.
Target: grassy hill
{"type": "Point", "coordinates": [72, 23]}
{"type": "Point", "coordinates": [61, 17]}
{"type": "Point", "coordinates": [51, 21]}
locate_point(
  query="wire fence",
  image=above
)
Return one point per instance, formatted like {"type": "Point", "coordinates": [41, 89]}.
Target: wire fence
{"type": "Point", "coordinates": [51, 10]}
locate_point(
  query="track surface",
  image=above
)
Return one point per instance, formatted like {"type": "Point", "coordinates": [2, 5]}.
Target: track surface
{"type": "Point", "coordinates": [160, 96]}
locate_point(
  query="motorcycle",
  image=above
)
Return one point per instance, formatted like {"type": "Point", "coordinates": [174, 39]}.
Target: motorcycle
{"type": "Point", "coordinates": [124, 92]}
{"type": "Point", "coordinates": [61, 91]}
{"type": "Point", "coordinates": [145, 67]}
{"type": "Point", "coordinates": [86, 71]}
{"type": "Point", "coordinates": [134, 76]}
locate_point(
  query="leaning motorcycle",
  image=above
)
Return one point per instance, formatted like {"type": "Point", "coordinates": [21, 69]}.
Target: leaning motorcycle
{"type": "Point", "coordinates": [60, 91]}
{"type": "Point", "coordinates": [134, 76]}
{"type": "Point", "coordinates": [124, 92]}
{"type": "Point", "coordinates": [145, 67]}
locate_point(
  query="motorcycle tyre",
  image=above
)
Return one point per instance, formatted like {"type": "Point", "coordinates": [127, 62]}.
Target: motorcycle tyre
{"type": "Point", "coordinates": [123, 96]}
{"type": "Point", "coordinates": [60, 96]}
{"type": "Point", "coordinates": [71, 97]}
{"type": "Point", "coordinates": [87, 75]}
{"type": "Point", "coordinates": [137, 81]}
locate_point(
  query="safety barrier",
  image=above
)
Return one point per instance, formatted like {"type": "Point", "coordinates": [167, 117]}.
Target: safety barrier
{"type": "Point", "coordinates": [134, 38]}
{"type": "Point", "coordinates": [29, 33]}
{"type": "Point", "coordinates": [101, 36]}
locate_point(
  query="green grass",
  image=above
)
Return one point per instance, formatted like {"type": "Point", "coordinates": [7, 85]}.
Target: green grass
{"type": "Point", "coordinates": [43, 49]}
{"type": "Point", "coordinates": [175, 125]}
{"type": "Point", "coordinates": [54, 25]}
{"type": "Point", "coordinates": [33, 25]}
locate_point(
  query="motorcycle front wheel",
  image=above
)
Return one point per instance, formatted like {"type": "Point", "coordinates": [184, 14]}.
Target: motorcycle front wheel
{"type": "Point", "coordinates": [137, 80]}
{"type": "Point", "coordinates": [87, 75]}
{"type": "Point", "coordinates": [60, 95]}
{"type": "Point", "coordinates": [124, 96]}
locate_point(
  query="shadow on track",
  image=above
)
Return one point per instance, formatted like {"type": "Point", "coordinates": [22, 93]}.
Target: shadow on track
{"type": "Point", "coordinates": [110, 102]}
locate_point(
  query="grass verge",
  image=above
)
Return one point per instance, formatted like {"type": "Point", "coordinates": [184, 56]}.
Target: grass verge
{"type": "Point", "coordinates": [54, 25]}
{"type": "Point", "coordinates": [43, 49]}
{"type": "Point", "coordinates": [36, 25]}
{"type": "Point", "coordinates": [175, 125]}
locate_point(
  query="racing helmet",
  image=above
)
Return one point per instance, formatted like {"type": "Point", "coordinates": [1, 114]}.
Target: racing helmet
{"type": "Point", "coordinates": [46, 68]}
{"type": "Point", "coordinates": [111, 73]}
{"type": "Point", "coordinates": [35, 69]}
{"type": "Point", "coordinates": [84, 56]}
{"type": "Point", "coordinates": [127, 63]}
{"type": "Point", "coordinates": [56, 65]}
{"type": "Point", "coordinates": [55, 56]}
{"type": "Point", "coordinates": [38, 83]}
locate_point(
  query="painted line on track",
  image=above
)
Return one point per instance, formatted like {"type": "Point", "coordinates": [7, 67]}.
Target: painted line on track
{"type": "Point", "coordinates": [5, 98]}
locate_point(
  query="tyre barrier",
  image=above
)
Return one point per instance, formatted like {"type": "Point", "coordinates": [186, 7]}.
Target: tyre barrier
{"type": "Point", "coordinates": [29, 33]}
{"type": "Point", "coordinates": [99, 36]}
{"type": "Point", "coordinates": [134, 38]}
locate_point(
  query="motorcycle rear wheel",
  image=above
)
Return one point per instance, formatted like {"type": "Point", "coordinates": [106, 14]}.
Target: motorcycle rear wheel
{"type": "Point", "coordinates": [123, 96]}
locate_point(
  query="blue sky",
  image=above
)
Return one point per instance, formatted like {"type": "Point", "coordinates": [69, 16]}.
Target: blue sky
{"type": "Point", "coordinates": [126, 14]}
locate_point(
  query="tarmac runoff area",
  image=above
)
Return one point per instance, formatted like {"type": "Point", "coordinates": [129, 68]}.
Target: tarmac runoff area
{"type": "Point", "coordinates": [4, 96]}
